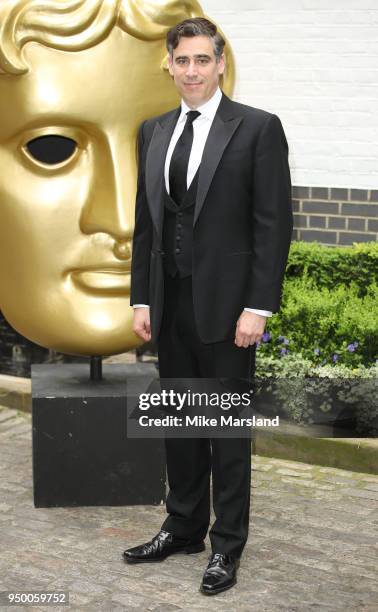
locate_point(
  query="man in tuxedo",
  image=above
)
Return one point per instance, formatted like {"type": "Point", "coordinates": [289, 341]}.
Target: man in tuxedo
{"type": "Point", "coordinates": [212, 232]}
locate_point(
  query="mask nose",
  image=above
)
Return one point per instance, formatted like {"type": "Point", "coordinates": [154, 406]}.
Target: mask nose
{"type": "Point", "coordinates": [110, 200]}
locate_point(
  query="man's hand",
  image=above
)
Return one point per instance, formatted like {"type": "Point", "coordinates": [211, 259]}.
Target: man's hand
{"type": "Point", "coordinates": [141, 323]}
{"type": "Point", "coordinates": [249, 328]}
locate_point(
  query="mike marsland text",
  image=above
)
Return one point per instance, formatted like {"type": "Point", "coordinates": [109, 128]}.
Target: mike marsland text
{"type": "Point", "coordinates": [203, 421]}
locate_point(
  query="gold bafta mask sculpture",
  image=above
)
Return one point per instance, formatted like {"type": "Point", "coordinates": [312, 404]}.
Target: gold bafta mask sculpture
{"type": "Point", "coordinates": [77, 77]}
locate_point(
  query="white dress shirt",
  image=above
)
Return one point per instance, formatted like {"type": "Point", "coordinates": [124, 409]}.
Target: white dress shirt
{"type": "Point", "coordinates": [201, 128]}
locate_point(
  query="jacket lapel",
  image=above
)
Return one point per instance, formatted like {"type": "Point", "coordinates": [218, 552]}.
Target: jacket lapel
{"type": "Point", "coordinates": [155, 162]}
{"type": "Point", "coordinates": [222, 129]}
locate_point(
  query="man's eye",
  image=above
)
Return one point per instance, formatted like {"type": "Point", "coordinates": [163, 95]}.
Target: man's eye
{"type": "Point", "coordinates": [51, 149]}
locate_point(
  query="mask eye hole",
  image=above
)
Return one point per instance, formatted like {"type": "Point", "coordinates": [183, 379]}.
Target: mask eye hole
{"type": "Point", "coordinates": [51, 149]}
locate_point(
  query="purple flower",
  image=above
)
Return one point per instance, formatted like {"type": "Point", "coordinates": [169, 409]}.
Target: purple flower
{"type": "Point", "coordinates": [351, 348]}
{"type": "Point", "coordinates": [335, 358]}
{"type": "Point", "coordinates": [266, 337]}
{"type": "Point", "coordinates": [283, 351]}
{"type": "Point", "coordinates": [317, 351]}
{"type": "Point", "coordinates": [280, 338]}
{"type": "Point", "coordinates": [286, 341]}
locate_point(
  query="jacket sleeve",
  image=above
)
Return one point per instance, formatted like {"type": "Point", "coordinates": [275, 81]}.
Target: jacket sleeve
{"type": "Point", "coordinates": [142, 238]}
{"type": "Point", "coordinates": [272, 217]}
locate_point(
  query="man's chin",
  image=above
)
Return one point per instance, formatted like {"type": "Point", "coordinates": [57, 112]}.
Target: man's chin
{"type": "Point", "coordinates": [194, 98]}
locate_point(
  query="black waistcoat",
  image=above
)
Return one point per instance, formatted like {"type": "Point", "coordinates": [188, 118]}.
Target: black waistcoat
{"type": "Point", "coordinates": [178, 232]}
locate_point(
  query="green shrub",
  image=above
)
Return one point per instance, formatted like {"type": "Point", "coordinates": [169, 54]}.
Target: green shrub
{"type": "Point", "coordinates": [324, 326]}
{"type": "Point", "coordinates": [330, 266]}
{"type": "Point", "coordinates": [326, 329]}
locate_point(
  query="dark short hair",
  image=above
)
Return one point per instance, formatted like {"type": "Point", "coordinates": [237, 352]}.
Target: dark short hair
{"type": "Point", "coordinates": [197, 26]}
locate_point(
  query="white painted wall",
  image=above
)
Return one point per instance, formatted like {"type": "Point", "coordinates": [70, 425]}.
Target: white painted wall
{"type": "Point", "coordinates": [315, 64]}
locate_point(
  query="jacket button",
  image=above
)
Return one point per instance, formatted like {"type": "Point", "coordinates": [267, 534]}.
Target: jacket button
{"type": "Point", "coordinates": [178, 237]}
{"type": "Point", "coordinates": [179, 225]}
{"type": "Point", "coordinates": [179, 214]}
{"type": "Point", "coordinates": [178, 250]}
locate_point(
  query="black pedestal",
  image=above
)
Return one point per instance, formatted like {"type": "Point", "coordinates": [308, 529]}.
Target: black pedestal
{"type": "Point", "coordinates": [81, 453]}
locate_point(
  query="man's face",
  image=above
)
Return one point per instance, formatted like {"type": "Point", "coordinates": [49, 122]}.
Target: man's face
{"type": "Point", "coordinates": [195, 70]}
{"type": "Point", "coordinates": [66, 227]}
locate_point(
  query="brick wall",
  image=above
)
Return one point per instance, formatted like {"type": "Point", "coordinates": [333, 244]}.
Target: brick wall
{"type": "Point", "coordinates": [314, 63]}
{"type": "Point", "coordinates": [335, 216]}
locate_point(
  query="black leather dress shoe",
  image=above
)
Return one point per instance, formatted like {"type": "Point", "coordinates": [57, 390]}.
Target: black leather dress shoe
{"type": "Point", "coordinates": [160, 547]}
{"type": "Point", "coordinates": [220, 574]}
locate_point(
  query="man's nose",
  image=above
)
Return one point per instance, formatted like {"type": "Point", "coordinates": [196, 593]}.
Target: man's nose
{"type": "Point", "coordinates": [191, 68]}
{"type": "Point", "coordinates": [110, 201]}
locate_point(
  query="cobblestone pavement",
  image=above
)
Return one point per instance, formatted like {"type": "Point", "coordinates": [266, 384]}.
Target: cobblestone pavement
{"type": "Point", "coordinates": [312, 545]}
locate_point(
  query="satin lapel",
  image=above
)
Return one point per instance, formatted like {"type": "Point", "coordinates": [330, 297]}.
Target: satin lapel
{"type": "Point", "coordinates": [155, 162]}
{"type": "Point", "coordinates": [219, 136]}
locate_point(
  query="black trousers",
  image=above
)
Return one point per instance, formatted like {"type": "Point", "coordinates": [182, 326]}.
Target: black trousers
{"type": "Point", "coordinates": [190, 461]}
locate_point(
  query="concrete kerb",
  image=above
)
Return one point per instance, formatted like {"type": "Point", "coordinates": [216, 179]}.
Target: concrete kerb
{"type": "Point", "coordinates": [15, 392]}
{"type": "Point", "coordinates": [356, 454]}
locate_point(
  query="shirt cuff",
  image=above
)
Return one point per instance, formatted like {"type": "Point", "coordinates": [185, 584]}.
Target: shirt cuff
{"type": "Point", "coordinates": [264, 313]}
{"type": "Point", "coordinates": [140, 306]}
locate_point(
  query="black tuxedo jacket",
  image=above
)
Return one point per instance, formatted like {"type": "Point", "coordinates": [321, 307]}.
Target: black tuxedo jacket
{"type": "Point", "coordinates": [242, 222]}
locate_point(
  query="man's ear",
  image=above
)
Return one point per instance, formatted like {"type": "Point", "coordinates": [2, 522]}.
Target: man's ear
{"type": "Point", "coordinates": [170, 64]}
{"type": "Point", "coordinates": [222, 63]}
{"type": "Point", "coordinates": [227, 79]}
